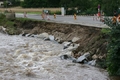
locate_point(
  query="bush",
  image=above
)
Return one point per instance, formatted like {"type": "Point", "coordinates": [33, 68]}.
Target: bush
{"type": "Point", "coordinates": [70, 11]}
{"type": "Point", "coordinates": [2, 19]}
{"type": "Point", "coordinates": [8, 24]}
{"type": "Point", "coordinates": [113, 56]}
{"type": "Point", "coordinates": [56, 12]}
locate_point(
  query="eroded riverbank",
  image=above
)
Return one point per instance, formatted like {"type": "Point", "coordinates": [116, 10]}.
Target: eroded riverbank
{"type": "Point", "coordinates": [91, 39]}
{"type": "Point", "coordinates": [32, 56]}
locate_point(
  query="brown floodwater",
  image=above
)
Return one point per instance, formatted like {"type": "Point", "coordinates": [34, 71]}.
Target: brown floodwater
{"type": "Point", "coordinates": [25, 58]}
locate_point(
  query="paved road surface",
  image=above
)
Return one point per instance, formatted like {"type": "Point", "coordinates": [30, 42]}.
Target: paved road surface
{"type": "Point", "coordinates": [83, 20]}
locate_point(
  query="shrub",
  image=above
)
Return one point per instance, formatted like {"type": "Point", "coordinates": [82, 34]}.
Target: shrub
{"type": "Point", "coordinates": [113, 55]}
{"type": "Point", "coordinates": [7, 24]}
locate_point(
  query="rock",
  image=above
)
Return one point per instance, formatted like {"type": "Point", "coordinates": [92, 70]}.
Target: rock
{"type": "Point", "coordinates": [24, 34]}
{"type": "Point", "coordinates": [29, 35]}
{"type": "Point", "coordinates": [67, 57]}
{"type": "Point", "coordinates": [94, 56]}
{"type": "Point", "coordinates": [86, 54]}
{"type": "Point", "coordinates": [68, 53]}
{"type": "Point", "coordinates": [3, 29]}
{"type": "Point", "coordinates": [64, 57]}
{"type": "Point", "coordinates": [43, 35]}
{"type": "Point", "coordinates": [76, 55]}
{"type": "Point", "coordinates": [75, 39]}
{"type": "Point", "coordinates": [66, 44]}
{"type": "Point", "coordinates": [58, 40]}
{"type": "Point", "coordinates": [92, 63]}
{"type": "Point", "coordinates": [72, 47]}
{"type": "Point", "coordinates": [51, 37]}
{"type": "Point", "coordinates": [83, 58]}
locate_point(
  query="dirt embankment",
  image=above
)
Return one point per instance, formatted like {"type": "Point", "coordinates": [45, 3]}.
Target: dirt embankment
{"type": "Point", "coordinates": [90, 38]}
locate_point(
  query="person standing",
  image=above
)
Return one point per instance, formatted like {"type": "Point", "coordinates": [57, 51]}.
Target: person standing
{"type": "Point", "coordinates": [114, 19]}
{"type": "Point", "coordinates": [99, 12]}
{"type": "Point", "coordinates": [25, 14]}
{"type": "Point", "coordinates": [43, 15]}
{"type": "Point", "coordinates": [75, 16]}
{"type": "Point", "coordinates": [95, 17]}
{"type": "Point", "coordinates": [54, 16]}
{"type": "Point", "coordinates": [47, 16]}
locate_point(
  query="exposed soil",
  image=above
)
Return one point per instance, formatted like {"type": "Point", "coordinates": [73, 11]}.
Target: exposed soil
{"type": "Point", "coordinates": [91, 39]}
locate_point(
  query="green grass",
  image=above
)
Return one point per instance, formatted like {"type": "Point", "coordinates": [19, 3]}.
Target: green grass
{"type": "Point", "coordinates": [105, 30]}
{"type": "Point", "coordinates": [34, 12]}
{"type": "Point", "coordinates": [23, 19]}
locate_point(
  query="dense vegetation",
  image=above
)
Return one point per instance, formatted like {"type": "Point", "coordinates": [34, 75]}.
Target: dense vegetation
{"type": "Point", "coordinates": [72, 6]}
{"type": "Point", "coordinates": [113, 57]}
{"type": "Point", "coordinates": [10, 24]}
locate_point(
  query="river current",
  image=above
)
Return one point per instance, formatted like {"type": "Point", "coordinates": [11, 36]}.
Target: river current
{"type": "Point", "coordinates": [28, 58]}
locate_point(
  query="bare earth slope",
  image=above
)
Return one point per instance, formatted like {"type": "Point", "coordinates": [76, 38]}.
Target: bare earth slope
{"type": "Point", "coordinates": [90, 38]}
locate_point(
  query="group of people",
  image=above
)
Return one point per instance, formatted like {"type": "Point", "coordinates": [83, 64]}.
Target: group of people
{"type": "Point", "coordinates": [99, 16]}
{"type": "Point", "coordinates": [44, 15]}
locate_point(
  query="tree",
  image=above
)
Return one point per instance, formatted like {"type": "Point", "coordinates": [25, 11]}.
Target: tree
{"type": "Point", "coordinates": [40, 3]}
{"type": "Point", "coordinates": [82, 5]}
{"type": "Point", "coordinates": [87, 6]}
{"type": "Point", "coordinates": [33, 3]}
{"type": "Point", "coordinates": [54, 3]}
{"type": "Point", "coordinates": [10, 3]}
{"type": "Point", "coordinates": [113, 56]}
{"type": "Point", "coordinates": [109, 6]}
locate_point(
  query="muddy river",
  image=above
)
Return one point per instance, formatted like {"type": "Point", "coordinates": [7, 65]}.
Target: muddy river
{"type": "Point", "coordinates": [28, 58]}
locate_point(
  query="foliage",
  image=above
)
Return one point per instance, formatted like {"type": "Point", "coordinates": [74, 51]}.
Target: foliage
{"type": "Point", "coordinates": [15, 2]}
{"type": "Point", "coordinates": [113, 57]}
{"type": "Point", "coordinates": [56, 12]}
{"type": "Point", "coordinates": [10, 27]}
{"type": "Point", "coordinates": [7, 24]}
{"type": "Point", "coordinates": [85, 7]}
{"type": "Point", "coordinates": [23, 19]}
{"type": "Point", "coordinates": [39, 3]}
{"type": "Point", "coordinates": [2, 19]}
{"type": "Point", "coordinates": [109, 6]}
{"type": "Point", "coordinates": [105, 30]}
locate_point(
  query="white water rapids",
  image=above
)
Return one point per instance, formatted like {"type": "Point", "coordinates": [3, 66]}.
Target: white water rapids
{"type": "Point", "coordinates": [25, 58]}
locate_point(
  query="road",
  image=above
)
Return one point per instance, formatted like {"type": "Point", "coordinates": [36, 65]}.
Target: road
{"type": "Point", "coordinates": [83, 20]}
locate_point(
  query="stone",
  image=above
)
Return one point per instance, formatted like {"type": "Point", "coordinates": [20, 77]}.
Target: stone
{"type": "Point", "coordinates": [73, 47]}
{"type": "Point", "coordinates": [3, 29]}
{"type": "Point", "coordinates": [75, 39]}
{"type": "Point", "coordinates": [86, 54]}
{"type": "Point", "coordinates": [43, 35]}
{"type": "Point", "coordinates": [64, 56]}
{"type": "Point", "coordinates": [92, 62]}
{"type": "Point", "coordinates": [94, 56]}
{"type": "Point", "coordinates": [83, 58]}
{"type": "Point", "coordinates": [51, 37]}
{"type": "Point", "coordinates": [67, 57]}
{"type": "Point", "coordinates": [66, 44]}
